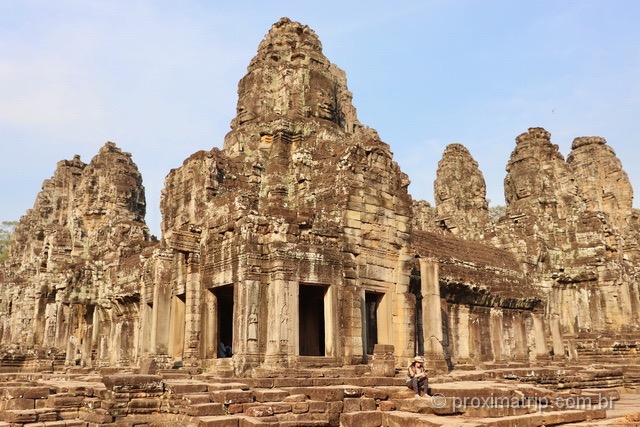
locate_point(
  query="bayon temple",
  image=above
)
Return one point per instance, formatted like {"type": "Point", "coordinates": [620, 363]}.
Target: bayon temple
{"type": "Point", "coordinates": [298, 246]}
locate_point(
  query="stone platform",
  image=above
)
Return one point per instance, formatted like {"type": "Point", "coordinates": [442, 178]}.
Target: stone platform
{"type": "Point", "coordinates": [499, 397]}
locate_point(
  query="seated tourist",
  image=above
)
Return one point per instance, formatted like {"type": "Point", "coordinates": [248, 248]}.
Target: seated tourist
{"type": "Point", "coordinates": [417, 379]}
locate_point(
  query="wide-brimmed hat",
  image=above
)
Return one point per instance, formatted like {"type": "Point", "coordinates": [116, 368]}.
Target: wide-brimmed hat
{"type": "Point", "coordinates": [418, 359]}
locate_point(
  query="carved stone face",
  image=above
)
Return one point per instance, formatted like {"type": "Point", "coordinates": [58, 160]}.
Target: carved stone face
{"type": "Point", "coordinates": [320, 99]}
{"type": "Point", "coordinates": [248, 104]}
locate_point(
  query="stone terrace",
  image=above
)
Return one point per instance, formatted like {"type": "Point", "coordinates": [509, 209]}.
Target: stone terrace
{"type": "Point", "coordinates": [554, 395]}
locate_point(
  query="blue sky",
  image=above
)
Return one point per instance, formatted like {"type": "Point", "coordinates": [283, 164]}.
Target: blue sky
{"type": "Point", "coordinates": [159, 78]}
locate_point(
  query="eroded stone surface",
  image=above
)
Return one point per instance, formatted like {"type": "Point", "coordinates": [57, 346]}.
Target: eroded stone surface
{"type": "Point", "coordinates": [298, 245]}
{"type": "Point", "coordinates": [74, 257]}
{"type": "Point", "coordinates": [460, 194]}
{"type": "Point", "coordinates": [602, 182]}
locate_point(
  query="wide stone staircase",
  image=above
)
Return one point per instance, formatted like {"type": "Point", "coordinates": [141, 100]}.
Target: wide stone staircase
{"type": "Point", "coordinates": [350, 397]}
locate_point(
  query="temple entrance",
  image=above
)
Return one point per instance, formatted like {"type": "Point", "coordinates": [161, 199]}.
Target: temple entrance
{"type": "Point", "coordinates": [311, 324]}
{"type": "Point", "coordinates": [415, 288]}
{"type": "Point", "coordinates": [224, 304]}
{"type": "Point", "coordinates": [371, 304]}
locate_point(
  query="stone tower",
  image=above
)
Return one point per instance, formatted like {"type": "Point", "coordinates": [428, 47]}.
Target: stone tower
{"type": "Point", "coordinates": [601, 180]}
{"type": "Point", "coordinates": [460, 194]}
{"type": "Point", "coordinates": [69, 261]}
{"type": "Point", "coordinates": [278, 239]}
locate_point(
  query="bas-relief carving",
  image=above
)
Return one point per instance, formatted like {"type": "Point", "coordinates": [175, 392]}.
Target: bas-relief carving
{"type": "Point", "coordinates": [252, 330]}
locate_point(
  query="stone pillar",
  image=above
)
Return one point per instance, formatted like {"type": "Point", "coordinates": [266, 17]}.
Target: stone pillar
{"type": "Point", "coordinates": [62, 326]}
{"type": "Point", "coordinates": [496, 333]}
{"type": "Point", "coordinates": [87, 344]}
{"type": "Point", "coordinates": [71, 323]}
{"type": "Point", "coordinates": [161, 310]}
{"type": "Point", "coordinates": [519, 334]}
{"type": "Point", "coordinates": [539, 339]}
{"type": "Point", "coordinates": [432, 316]}
{"type": "Point", "coordinates": [248, 330]}
{"type": "Point", "coordinates": [177, 327]}
{"type": "Point", "coordinates": [193, 315]}
{"type": "Point", "coordinates": [330, 318]}
{"type": "Point", "coordinates": [556, 335]}
{"type": "Point", "coordinates": [209, 337]}
{"type": "Point", "coordinates": [462, 334]}
{"type": "Point", "coordinates": [95, 335]}
{"type": "Point", "coordinates": [161, 320]}
{"type": "Point", "coordinates": [352, 331]}
{"type": "Point", "coordinates": [146, 313]}
{"type": "Point", "coordinates": [281, 327]}
{"type": "Point", "coordinates": [401, 312]}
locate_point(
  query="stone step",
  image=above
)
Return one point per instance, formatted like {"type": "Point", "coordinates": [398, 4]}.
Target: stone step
{"type": "Point", "coordinates": [307, 382]}
{"type": "Point", "coordinates": [333, 371]}
{"type": "Point", "coordinates": [411, 419]}
{"type": "Point", "coordinates": [270, 395]}
{"type": "Point", "coordinates": [204, 409]}
{"type": "Point", "coordinates": [24, 416]}
{"type": "Point", "coordinates": [180, 386]}
{"type": "Point", "coordinates": [204, 396]}
{"type": "Point", "coordinates": [271, 421]}
{"type": "Point", "coordinates": [219, 421]}
{"type": "Point", "coordinates": [231, 396]}
{"type": "Point", "coordinates": [395, 418]}
{"type": "Point", "coordinates": [193, 399]}
{"type": "Point", "coordinates": [305, 420]}
{"type": "Point", "coordinates": [543, 418]}
{"type": "Point", "coordinates": [61, 423]}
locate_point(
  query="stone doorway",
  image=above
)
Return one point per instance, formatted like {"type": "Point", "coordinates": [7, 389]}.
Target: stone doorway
{"type": "Point", "coordinates": [372, 302]}
{"type": "Point", "coordinates": [415, 288]}
{"type": "Point", "coordinates": [311, 320]}
{"type": "Point", "coordinates": [224, 301]}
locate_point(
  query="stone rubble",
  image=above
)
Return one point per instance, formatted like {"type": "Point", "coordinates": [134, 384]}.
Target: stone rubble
{"type": "Point", "coordinates": [83, 399]}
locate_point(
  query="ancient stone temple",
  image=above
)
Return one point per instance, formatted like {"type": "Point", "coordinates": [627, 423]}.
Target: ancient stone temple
{"type": "Point", "coordinates": [292, 243]}
{"type": "Point", "coordinates": [298, 245]}
{"type": "Point", "coordinates": [67, 287]}
{"type": "Point", "coordinates": [572, 225]}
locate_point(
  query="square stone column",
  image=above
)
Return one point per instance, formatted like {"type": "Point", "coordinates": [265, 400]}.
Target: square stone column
{"type": "Point", "coordinates": [556, 336]}
{"type": "Point", "coordinates": [282, 326]}
{"type": "Point", "coordinates": [193, 315]}
{"type": "Point", "coordinates": [539, 338]}
{"type": "Point", "coordinates": [432, 316]}
{"type": "Point", "coordinates": [161, 312]}
{"type": "Point", "coordinates": [463, 335]}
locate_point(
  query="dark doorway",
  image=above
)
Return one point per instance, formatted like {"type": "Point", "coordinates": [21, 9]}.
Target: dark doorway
{"type": "Point", "coordinates": [415, 287]}
{"type": "Point", "coordinates": [311, 309]}
{"type": "Point", "coordinates": [224, 297]}
{"type": "Point", "coordinates": [371, 304]}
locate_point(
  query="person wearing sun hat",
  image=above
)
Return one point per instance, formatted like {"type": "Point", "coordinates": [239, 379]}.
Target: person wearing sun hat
{"type": "Point", "coordinates": [417, 379]}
